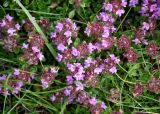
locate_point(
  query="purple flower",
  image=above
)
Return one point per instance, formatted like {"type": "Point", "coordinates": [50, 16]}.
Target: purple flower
{"type": "Point", "coordinates": [107, 7]}
{"type": "Point", "coordinates": [145, 26]}
{"type": "Point", "coordinates": [88, 62]}
{"type": "Point", "coordinates": [40, 56]}
{"type": "Point", "coordinates": [91, 47]}
{"type": "Point", "coordinates": [75, 52]}
{"type": "Point", "coordinates": [16, 72]}
{"type": "Point", "coordinates": [3, 23]}
{"type": "Point", "coordinates": [103, 16]}
{"type": "Point", "coordinates": [25, 46]}
{"type": "Point", "coordinates": [71, 67]}
{"type": "Point", "coordinates": [54, 70]}
{"type": "Point", "coordinates": [44, 83]}
{"type": "Point", "coordinates": [68, 33]}
{"type": "Point", "coordinates": [103, 105]}
{"type": "Point", "coordinates": [113, 70]}
{"type": "Point", "coordinates": [59, 57]}
{"type": "Point", "coordinates": [105, 43]}
{"type": "Point", "coordinates": [17, 88]}
{"type": "Point", "coordinates": [3, 77]}
{"type": "Point", "coordinates": [17, 26]}
{"type": "Point", "coordinates": [74, 26]}
{"type": "Point", "coordinates": [114, 58]}
{"type": "Point", "coordinates": [113, 29]}
{"type": "Point", "coordinates": [11, 31]}
{"type": "Point", "coordinates": [67, 91]}
{"type": "Point", "coordinates": [68, 20]}
{"type": "Point", "coordinates": [153, 7]}
{"type": "Point", "coordinates": [136, 41]}
{"type": "Point", "coordinates": [8, 17]}
{"type": "Point", "coordinates": [61, 47]}
{"type": "Point", "coordinates": [69, 41]}
{"type": "Point", "coordinates": [133, 3]}
{"type": "Point", "coordinates": [87, 31]}
{"type": "Point", "coordinates": [59, 27]}
{"type": "Point", "coordinates": [79, 86]}
{"type": "Point", "coordinates": [124, 3]}
{"type": "Point", "coordinates": [70, 99]}
{"type": "Point", "coordinates": [53, 35]}
{"type": "Point", "coordinates": [79, 76]}
{"type": "Point", "coordinates": [93, 101]}
{"type": "Point", "coordinates": [69, 80]}
{"type": "Point", "coordinates": [106, 32]}
{"type": "Point", "coordinates": [145, 42]}
{"type": "Point", "coordinates": [120, 12]}
{"type": "Point", "coordinates": [19, 85]}
{"type": "Point", "coordinates": [53, 98]}
{"type": "Point", "coordinates": [98, 70]}
{"type": "Point", "coordinates": [80, 68]}
{"type": "Point", "coordinates": [98, 46]}
{"type": "Point", "coordinates": [35, 49]}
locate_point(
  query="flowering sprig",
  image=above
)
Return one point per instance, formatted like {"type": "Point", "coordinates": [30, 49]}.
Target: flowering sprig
{"type": "Point", "coordinates": [48, 76]}
{"type": "Point", "coordinates": [10, 31]}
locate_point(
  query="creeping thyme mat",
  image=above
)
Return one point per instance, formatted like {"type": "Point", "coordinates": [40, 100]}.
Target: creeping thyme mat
{"type": "Point", "coordinates": [79, 57]}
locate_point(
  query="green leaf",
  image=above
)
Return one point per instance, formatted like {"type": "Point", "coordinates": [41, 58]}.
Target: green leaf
{"type": "Point", "coordinates": [71, 14]}
{"type": "Point", "coordinates": [76, 42]}
{"type": "Point", "coordinates": [71, 1]}
{"type": "Point", "coordinates": [6, 3]}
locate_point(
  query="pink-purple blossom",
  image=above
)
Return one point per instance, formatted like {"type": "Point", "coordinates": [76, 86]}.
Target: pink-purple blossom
{"type": "Point", "coordinates": [40, 56]}
{"type": "Point", "coordinates": [53, 98]}
{"type": "Point", "coordinates": [11, 31]}
{"type": "Point", "coordinates": [79, 86]}
{"type": "Point", "coordinates": [9, 18]}
{"type": "Point", "coordinates": [91, 47]}
{"type": "Point", "coordinates": [98, 70]}
{"type": "Point", "coordinates": [53, 35]}
{"type": "Point", "coordinates": [120, 12]}
{"type": "Point", "coordinates": [16, 72]}
{"type": "Point", "coordinates": [25, 46]}
{"type": "Point", "coordinates": [93, 101]}
{"type": "Point", "coordinates": [68, 34]}
{"type": "Point", "coordinates": [113, 70]}
{"type": "Point", "coordinates": [59, 27]}
{"type": "Point", "coordinates": [136, 41]}
{"type": "Point", "coordinates": [114, 58]}
{"type": "Point", "coordinates": [103, 105]}
{"type": "Point", "coordinates": [107, 7]}
{"type": "Point", "coordinates": [145, 26]}
{"type": "Point", "coordinates": [35, 49]}
{"type": "Point", "coordinates": [61, 47]}
{"type": "Point", "coordinates": [69, 79]}
{"type": "Point", "coordinates": [75, 52]}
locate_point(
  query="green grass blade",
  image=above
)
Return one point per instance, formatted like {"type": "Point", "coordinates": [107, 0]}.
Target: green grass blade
{"type": "Point", "coordinates": [39, 30]}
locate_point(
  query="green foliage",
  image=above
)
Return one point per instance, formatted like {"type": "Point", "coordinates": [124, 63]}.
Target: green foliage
{"type": "Point", "coordinates": [33, 99]}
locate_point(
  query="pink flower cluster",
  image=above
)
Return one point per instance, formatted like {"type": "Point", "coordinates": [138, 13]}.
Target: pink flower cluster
{"type": "Point", "coordinates": [9, 30]}
{"type": "Point", "coordinates": [48, 77]}
{"type": "Point", "coordinates": [81, 97]}
{"type": "Point", "coordinates": [32, 50]}
{"type": "Point", "coordinates": [65, 29]}
{"type": "Point", "coordinates": [33, 55]}
{"type": "Point", "coordinates": [116, 7]}
{"type": "Point", "coordinates": [15, 82]}
{"type": "Point", "coordinates": [9, 25]}
{"type": "Point", "coordinates": [143, 31]}
{"type": "Point", "coordinates": [151, 9]}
